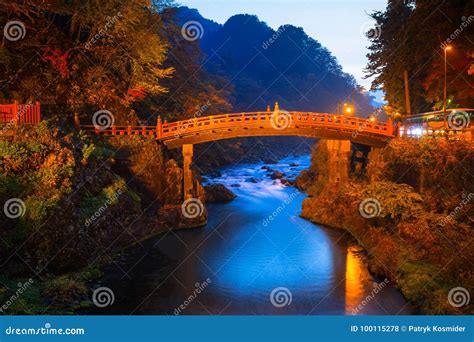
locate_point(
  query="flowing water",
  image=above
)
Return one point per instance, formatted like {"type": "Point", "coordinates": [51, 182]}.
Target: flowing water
{"type": "Point", "coordinates": [256, 256]}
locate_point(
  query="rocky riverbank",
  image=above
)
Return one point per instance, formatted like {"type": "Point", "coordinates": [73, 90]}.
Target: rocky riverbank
{"type": "Point", "coordinates": [401, 214]}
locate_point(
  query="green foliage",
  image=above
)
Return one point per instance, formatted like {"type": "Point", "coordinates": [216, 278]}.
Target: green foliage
{"type": "Point", "coordinates": [28, 301]}
{"type": "Point", "coordinates": [65, 290]}
{"type": "Point", "coordinates": [398, 201]}
{"type": "Point", "coordinates": [441, 169]}
{"type": "Point", "coordinates": [62, 180]}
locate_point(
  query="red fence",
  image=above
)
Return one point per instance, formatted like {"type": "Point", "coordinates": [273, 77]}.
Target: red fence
{"type": "Point", "coordinates": [24, 114]}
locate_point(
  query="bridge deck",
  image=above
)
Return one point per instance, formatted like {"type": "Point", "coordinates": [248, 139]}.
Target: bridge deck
{"type": "Point", "coordinates": [227, 126]}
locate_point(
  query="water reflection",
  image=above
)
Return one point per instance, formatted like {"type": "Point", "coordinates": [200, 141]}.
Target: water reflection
{"type": "Point", "coordinates": [246, 256]}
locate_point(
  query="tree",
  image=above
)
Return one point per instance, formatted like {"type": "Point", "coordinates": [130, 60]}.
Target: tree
{"type": "Point", "coordinates": [410, 36]}
{"type": "Point", "coordinates": [85, 55]}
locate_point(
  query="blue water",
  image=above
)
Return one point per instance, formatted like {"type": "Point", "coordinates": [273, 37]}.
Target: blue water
{"type": "Point", "coordinates": [256, 245]}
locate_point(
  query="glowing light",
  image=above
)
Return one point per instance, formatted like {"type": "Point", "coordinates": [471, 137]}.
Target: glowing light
{"type": "Point", "coordinates": [448, 47]}
{"type": "Point", "coordinates": [417, 131]}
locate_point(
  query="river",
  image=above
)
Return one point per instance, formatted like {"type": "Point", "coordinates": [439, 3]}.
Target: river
{"type": "Point", "coordinates": [256, 256]}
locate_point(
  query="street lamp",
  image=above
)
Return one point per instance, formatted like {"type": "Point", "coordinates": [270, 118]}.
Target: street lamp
{"type": "Point", "coordinates": [348, 109]}
{"type": "Point", "coordinates": [446, 49]}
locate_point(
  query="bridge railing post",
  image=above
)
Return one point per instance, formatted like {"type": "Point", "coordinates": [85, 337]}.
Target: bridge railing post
{"type": "Point", "coordinates": [15, 112]}
{"type": "Point", "coordinates": [77, 121]}
{"type": "Point", "coordinates": [159, 128]}
{"type": "Point", "coordinates": [38, 112]}
{"type": "Point", "coordinates": [390, 129]}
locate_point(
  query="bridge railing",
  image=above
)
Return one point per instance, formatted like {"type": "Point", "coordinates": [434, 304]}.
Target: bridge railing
{"type": "Point", "coordinates": [265, 120]}
{"type": "Point", "coordinates": [252, 120]}
{"type": "Point", "coordinates": [122, 130]}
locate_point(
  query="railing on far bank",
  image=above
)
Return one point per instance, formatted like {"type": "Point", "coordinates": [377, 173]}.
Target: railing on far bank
{"type": "Point", "coordinates": [456, 123]}
{"type": "Point", "coordinates": [24, 114]}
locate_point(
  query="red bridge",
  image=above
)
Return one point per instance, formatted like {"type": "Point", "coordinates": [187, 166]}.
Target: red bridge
{"type": "Point", "coordinates": [278, 123]}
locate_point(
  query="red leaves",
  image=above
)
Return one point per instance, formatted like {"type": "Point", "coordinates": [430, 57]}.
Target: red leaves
{"type": "Point", "coordinates": [134, 94]}
{"type": "Point", "coordinates": [137, 93]}
{"type": "Point", "coordinates": [57, 59]}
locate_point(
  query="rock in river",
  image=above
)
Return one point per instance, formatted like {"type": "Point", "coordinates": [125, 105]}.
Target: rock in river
{"type": "Point", "coordinates": [218, 193]}
{"type": "Point", "coordinates": [277, 175]}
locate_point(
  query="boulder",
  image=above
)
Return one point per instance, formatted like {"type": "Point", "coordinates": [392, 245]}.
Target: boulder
{"type": "Point", "coordinates": [252, 180]}
{"type": "Point", "coordinates": [288, 182]}
{"type": "Point", "coordinates": [304, 180]}
{"type": "Point", "coordinates": [176, 217]}
{"type": "Point", "coordinates": [277, 175]}
{"type": "Point", "coordinates": [294, 164]}
{"type": "Point", "coordinates": [218, 193]}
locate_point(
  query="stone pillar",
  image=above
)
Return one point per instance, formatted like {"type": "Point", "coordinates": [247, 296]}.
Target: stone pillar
{"type": "Point", "coordinates": [188, 173]}
{"type": "Point", "coordinates": [376, 164]}
{"type": "Point", "coordinates": [339, 152]}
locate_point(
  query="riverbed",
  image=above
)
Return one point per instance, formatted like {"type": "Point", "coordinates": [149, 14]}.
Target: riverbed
{"type": "Point", "coordinates": [256, 256]}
